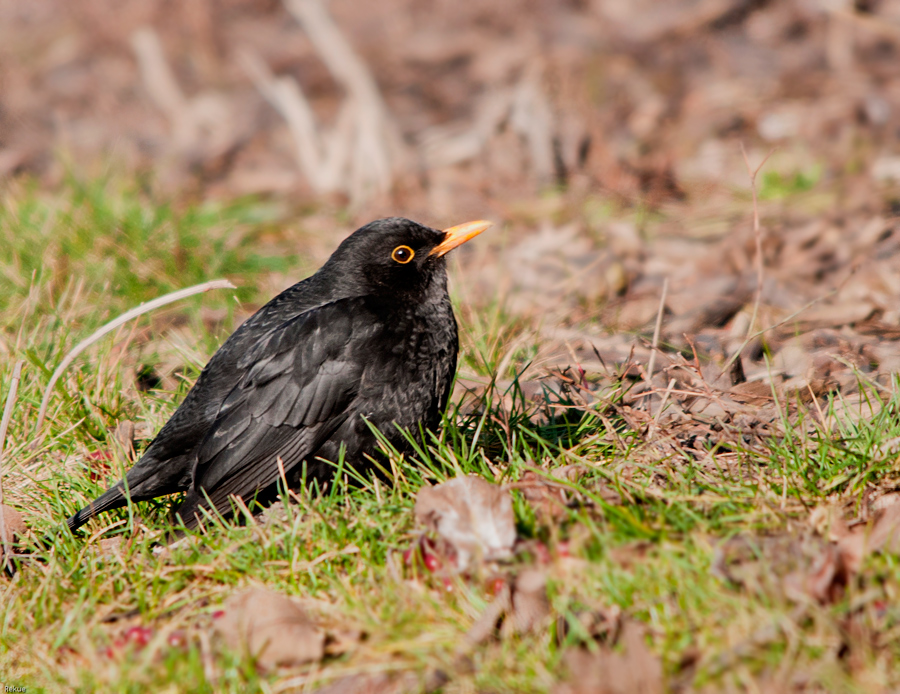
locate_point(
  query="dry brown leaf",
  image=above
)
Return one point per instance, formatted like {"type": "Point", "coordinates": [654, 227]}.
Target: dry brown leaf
{"type": "Point", "coordinates": [633, 670]}
{"type": "Point", "coordinates": [14, 525]}
{"type": "Point", "coordinates": [110, 546]}
{"type": "Point", "coordinates": [530, 604]}
{"type": "Point", "coordinates": [472, 515]}
{"type": "Point", "coordinates": [271, 628]}
{"type": "Point", "coordinates": [12, 521]}
{"type": "Point", "coordinates": [342, 641]}
{"type": "Point", "coordinates": [752, 393]}
{"type": "Point", "coordinates": [547, 500]}
{"type": "Point", "coordinates": [823, 581]}
{"type": "Point", "coordinates": [864, 539]}
{"type": "Point", "coordinates": [385, 683]}
{"type": "Point", "coordinates": [832, 568]}
{"type": "Point", "coordinates": [523, 608]}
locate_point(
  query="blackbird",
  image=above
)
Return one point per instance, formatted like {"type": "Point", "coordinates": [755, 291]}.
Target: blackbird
{"type": "Point", "coordinates": [369, 339]}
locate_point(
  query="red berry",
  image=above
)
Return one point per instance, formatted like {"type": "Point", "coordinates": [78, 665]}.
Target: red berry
{"type": "Point", "coordinates": [431, 561]}
{"type": "Point", "coordinates": [139, 636]}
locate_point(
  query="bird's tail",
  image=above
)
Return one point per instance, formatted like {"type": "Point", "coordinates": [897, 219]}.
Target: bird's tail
{"type": "Point", "coordinates": [112, 498]}
{"type": "Point", "coordinates": [148, 479]}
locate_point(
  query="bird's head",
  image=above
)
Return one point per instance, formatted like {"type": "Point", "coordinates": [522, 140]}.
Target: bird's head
{"type": "Point", "coordinates": [397, 256]}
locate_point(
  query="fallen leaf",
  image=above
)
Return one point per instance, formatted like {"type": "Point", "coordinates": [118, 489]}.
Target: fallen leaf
{"type": "Point", "coordinates": [124, 436]}
{"type": "Point", "coordinates": [530, 605]}
{"type": "Point", "coordinates": [521, 609]}
{"type": "Point", "coordinates": [633, 670]}
{"type": "Point", "coordinates": [385, 683]}
{"type": "Point", "coordinates": [835, 564]}
{"type": "Point", "coordinates": [14, 525]}
{"type": "Point", "coordinates": [547, 499]}
{"type": "Point", "coordinates": [12, 521]}
{"type": "Point", "coordinates": [271, 628]}
{"type": "Point", "coordinates": [342, 641]}
{"type": "Point", "coordinates": [110, 546]}
{"type": "Point", "coordinates": [865, 539]}
{"type": "Point", "coordinates": [823, 581]}
{"type": "Point", "coordinates": [472, 515]}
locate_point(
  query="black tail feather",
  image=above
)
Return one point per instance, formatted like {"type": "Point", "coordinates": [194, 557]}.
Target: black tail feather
{"type": "Point", "coordinates": [112, 498]}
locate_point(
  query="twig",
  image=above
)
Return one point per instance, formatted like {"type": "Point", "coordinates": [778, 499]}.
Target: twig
{"type": "Point", "coordinates": [161, 85]}
{"type": "Point", "coordinates": [323, 167]}
{"type": "Point", "coordinates": [756, 232]}
{"type": "Point", "coordinates": [112, 325]}
{"type": "Point", "coordinates": [203, 125]}
{"type": "Point", "coordinates": [442, 146]}
{"type": "Point", "coordinates": [531, 117]}
{"type": "Point", "coordinates": [372, 143]}
{"type": "Point", "coordinates": [659, 314]}
{"type": "Point", "coordinates": [665, 398]}
{"type": "Point", "coordinates": [784, 320]}
{"type": "Point", "coordinates": [4, 426]}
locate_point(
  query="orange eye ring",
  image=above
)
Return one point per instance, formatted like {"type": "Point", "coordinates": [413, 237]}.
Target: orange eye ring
{"type": "Point", "coordinates": [403, 254]}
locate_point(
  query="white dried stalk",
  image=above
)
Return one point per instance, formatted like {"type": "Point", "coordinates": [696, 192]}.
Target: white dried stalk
{"type": "Point", "coordinates": [532, 118]}
{"type": "Point", "coordinates": [441, 148]}
{"type": "Point", "coordinates": [656, 330]}
{"type": "Point", "coordinates": [115, 323]}
{"type": "Point", "coordinates": [161, 85]}
{"type": "Point", "coordinates": [4, 427]}
{"type": "Point", "coordinates": [287, 98]}
{"type": "Point", "coordinates": [375, 142]}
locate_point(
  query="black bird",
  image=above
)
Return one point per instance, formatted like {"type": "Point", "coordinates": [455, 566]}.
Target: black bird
{"type": "Point", "coordinates": [369, 337]}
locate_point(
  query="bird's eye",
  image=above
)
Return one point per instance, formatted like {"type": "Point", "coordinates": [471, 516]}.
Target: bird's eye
{"type": "Point", "coordinates": [403, 254]}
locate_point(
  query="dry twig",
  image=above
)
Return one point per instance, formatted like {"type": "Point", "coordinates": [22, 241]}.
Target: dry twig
{"type": "Point", "coordinates": [655, 346]}
{"type": "Point", "coordinates": [202, 125]}
{"type": "Point", "coordinates": [4, 426]}
{"type": "Point", "coordinates": [757, 233]}
{"type": "Point", "coordinates": [112, 325]}
{"type": "Point", "coordinates": [363, 151]}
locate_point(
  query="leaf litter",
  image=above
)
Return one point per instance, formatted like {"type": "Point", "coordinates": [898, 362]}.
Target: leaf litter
{"type": "Point", "coordinates": [271, 628]}
{"type": "Point", "coordinates": [635, 113]}
{"type": "Point", "coordinates": [472, 518]}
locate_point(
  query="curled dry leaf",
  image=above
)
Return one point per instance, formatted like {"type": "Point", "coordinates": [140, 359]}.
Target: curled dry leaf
{"type": "Point", "coordinates": [12, 521]}
{"type": "Point", "coordinates": [14, 525]}
{"type": "Point", "coordinates": [530, 605]}
{"type": "Point", "coordinates": [385, 683]}
{"type": "Point", "coordinates": [472, 515]}
{"type": "Point", "coordinates": [633, 670]}
{"type": "Point", "coordinates": [523, 608]}
{"type": "Point", "coordinates": [548, 499]}
{"type": "Point", "coordinates": [884, 534]}
{"type": "Point", "coordinates": [271, 628]}
{"type": "Point", "coordinates": [834, 566]}
{"type": "Point", "coordinates": [110, 546]}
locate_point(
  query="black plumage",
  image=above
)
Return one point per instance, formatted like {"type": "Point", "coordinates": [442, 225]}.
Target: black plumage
{"type": "Point", "coordinates": [369, 337]}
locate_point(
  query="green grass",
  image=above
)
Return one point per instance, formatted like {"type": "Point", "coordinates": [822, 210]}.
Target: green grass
{"type": "Point", "coordinates": [650, 535]}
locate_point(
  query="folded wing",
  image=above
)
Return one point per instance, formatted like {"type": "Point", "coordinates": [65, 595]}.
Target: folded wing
{"type": "Point", "coordinates": [299, 386]}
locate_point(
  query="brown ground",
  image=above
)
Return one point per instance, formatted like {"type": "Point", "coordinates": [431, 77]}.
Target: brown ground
{"type": "Point", "coordinates": [606, 138]}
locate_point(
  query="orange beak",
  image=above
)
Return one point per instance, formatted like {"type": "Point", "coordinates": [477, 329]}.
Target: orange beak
{"type": "Point", "coordinates": [458, 235]}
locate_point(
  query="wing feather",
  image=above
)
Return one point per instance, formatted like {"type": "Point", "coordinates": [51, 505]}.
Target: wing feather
{"type": "Point", "coordinates": [300, 382]}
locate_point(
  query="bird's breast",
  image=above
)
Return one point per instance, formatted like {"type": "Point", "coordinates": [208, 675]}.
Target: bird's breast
{"type": "Point", "coordinates": [405, 382]}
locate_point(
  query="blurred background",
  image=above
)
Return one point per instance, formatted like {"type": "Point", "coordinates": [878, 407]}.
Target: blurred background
{"type": "Point", "coordinates": [604, 136]}
{"type": "Point", "coordinates": [468, 104]}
